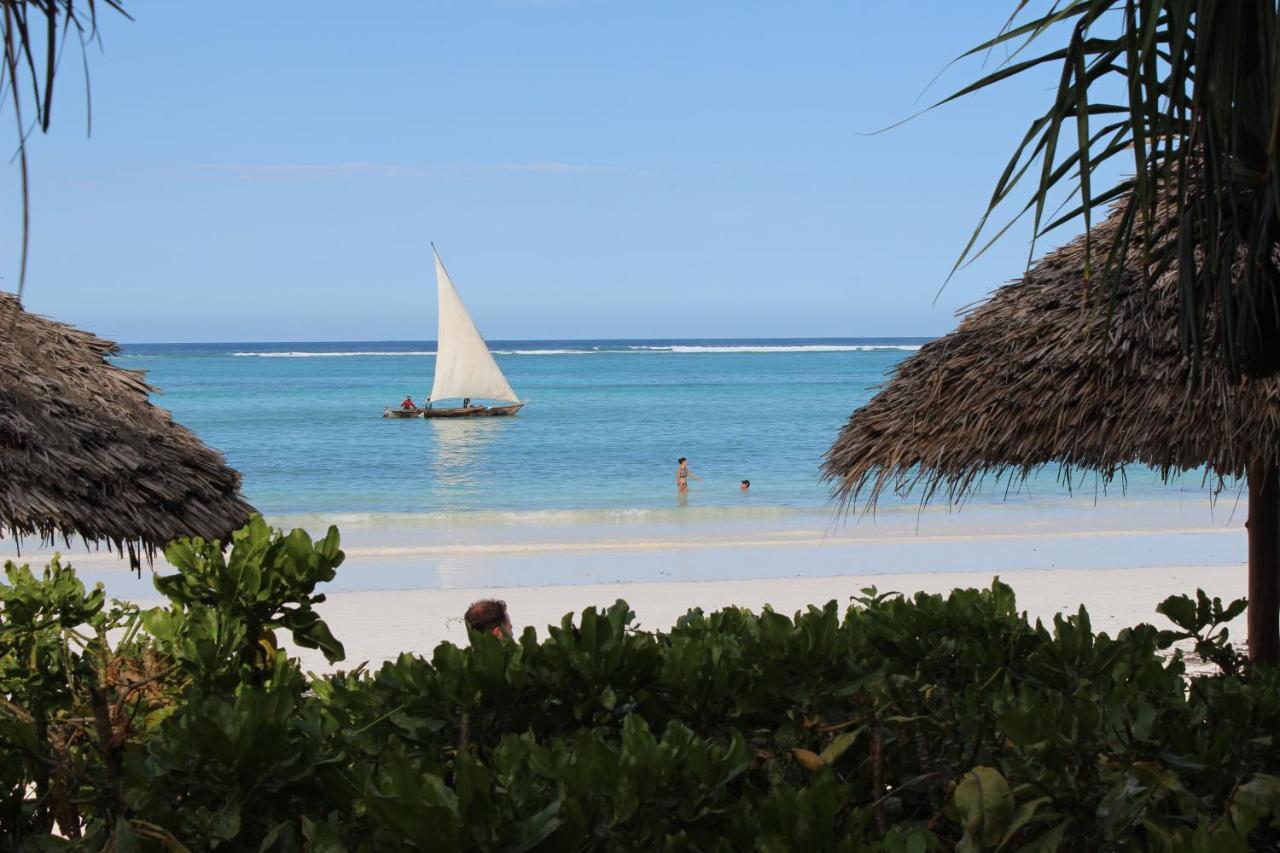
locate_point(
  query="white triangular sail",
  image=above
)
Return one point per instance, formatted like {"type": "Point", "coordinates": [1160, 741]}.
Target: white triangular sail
{"type": "Point", "coordinates": [464, 365]}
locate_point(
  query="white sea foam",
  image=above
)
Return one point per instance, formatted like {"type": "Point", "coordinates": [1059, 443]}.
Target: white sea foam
{"type": "Point", "coordinates": [542, 517]}
{"type": "Point", "coordinates": [369, 353]}
{"type": "Point", "coordinates": [326, 354]}
{"type": "Point", "coordinates": [766, 348]}
{"type": "Point", "coordinates": [595, 350]}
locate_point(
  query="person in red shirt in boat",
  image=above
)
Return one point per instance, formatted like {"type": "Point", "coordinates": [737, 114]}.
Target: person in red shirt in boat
{"type": "Point", "coordinates": [408, 405]}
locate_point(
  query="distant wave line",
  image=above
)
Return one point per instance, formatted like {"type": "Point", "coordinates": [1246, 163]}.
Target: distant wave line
{"type": "Point", "coordinates": [384, 353]}
{"type": "Point", "coordinates": [671, 349]}
{"type": "Point", "coordinates": [326, 354]}
{"type": "Point", "coordinates": [767, 348]}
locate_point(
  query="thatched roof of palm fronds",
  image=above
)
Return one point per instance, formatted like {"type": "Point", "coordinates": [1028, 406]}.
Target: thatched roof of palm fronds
{"type": "Point", "coordinates": [84, 453]}
{"type": "Point", "coordinates": [1049, 370]}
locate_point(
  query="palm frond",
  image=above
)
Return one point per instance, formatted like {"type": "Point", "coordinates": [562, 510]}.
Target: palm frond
{"type": "Point", "coordinates": [31, 64]}
{"type": "Point", "coordinates": [1201, 124]}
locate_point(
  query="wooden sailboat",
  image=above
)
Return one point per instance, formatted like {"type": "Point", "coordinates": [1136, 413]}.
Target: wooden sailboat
{"type": "Point", "coordinates": [465, 369]}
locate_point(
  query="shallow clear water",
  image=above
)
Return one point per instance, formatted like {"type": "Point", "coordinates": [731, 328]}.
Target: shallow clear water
{"type": "Point", "coordinates": [604, 425]}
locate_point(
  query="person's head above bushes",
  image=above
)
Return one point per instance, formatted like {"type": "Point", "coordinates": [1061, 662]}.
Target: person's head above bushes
{"type": "Point", "coordinates": [489, 616]}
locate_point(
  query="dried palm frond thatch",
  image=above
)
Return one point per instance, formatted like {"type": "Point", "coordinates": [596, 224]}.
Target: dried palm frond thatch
{"type": "Point", "coordinates": [84, 453]}
{"type": "Point", "coordinates": [1062, 368]}
{"type": "Point", "coordinates": [1050, 370]}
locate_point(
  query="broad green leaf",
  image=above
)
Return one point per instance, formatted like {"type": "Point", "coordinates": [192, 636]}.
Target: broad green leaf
{"type": "Point", "coordinates": [985, 805]}
{"type": "Point", "coordinates": [1049, 842]}
{"type": "Point", "coordinates": [839, 745]}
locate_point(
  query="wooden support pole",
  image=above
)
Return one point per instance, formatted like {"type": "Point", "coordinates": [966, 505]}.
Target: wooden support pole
{"type": "Point", "coordinates": [1264, 563]}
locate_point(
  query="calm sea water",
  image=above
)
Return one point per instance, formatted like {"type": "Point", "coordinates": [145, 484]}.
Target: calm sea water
{"type": "Point", "coordinates": [605, 423]}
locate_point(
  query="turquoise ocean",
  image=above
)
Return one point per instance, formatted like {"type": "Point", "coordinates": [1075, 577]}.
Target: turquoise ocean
{"type": "Point", "coordinates": [599, 438]}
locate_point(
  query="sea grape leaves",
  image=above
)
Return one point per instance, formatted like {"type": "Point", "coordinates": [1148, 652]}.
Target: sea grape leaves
{"type": "Point", "coordinates": [984, 805]}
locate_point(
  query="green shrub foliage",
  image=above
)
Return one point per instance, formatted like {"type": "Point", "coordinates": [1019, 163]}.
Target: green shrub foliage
{"type": "Point", "coordinates": [887, 723]}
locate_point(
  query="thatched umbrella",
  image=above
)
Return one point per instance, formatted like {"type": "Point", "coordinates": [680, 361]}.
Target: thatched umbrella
{"type": "Point", "coordinates": [1058, 369]}
{"type": "Point", "coordinates": [84, 453]}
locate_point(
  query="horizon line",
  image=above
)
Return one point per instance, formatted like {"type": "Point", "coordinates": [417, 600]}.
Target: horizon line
{"type": "Point", "coordinates": [913, 338]}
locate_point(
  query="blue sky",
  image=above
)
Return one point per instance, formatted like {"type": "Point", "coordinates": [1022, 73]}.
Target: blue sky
{"type": "Point", "coordinates": [588, 169]}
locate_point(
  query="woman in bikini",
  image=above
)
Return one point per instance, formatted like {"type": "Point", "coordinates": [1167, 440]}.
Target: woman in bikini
{"type": "Point", "coordinates": [683, 474]}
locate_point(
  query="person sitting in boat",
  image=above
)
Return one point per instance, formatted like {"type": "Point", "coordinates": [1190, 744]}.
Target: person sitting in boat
{"type": "Point", "coordinates": [408, 404]}
{"type": "Point", "coordinates": [466, 403]}
{"type": "Point", "coordinates": [427, 404]}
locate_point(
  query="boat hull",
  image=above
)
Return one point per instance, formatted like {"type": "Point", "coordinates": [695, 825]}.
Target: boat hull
{"type": "Point", "coordinates": [473, 411]}
{"type": "Point", "coordinates": [401, 413]}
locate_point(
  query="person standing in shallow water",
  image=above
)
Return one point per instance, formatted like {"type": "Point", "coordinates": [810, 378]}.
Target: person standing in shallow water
{"type": "Point", "coordinates": [683, 474]}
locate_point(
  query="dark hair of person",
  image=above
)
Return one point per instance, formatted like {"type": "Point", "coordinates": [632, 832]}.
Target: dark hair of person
{"type": "Point", "coordinates": [680, 461]}
{"type": "Point", "coordinates": [486, 614]}
{"type": "Point", "coordinates": [746, 482]}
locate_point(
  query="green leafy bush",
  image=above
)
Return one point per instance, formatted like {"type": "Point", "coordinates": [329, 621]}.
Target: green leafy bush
{"type": "Point", "coordinates": [895, 724]}
{"type": "Point", "coordinates": [224, 608]}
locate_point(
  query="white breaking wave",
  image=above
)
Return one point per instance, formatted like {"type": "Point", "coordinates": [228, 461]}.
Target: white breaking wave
{"type": "Point", "coordinates": [766, 348]}
{"type": "Point", "coordinates": [324, 354]}
{"type": "Point", "coordinates": [611, 516]}
{"type": "Point", "coordinates": [669, 348]}
{"type": "Point", "coordinates": [413, 353]}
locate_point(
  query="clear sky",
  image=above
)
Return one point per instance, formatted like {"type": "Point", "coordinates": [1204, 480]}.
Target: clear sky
{"type": "Point", "coordinates": [275, 171]}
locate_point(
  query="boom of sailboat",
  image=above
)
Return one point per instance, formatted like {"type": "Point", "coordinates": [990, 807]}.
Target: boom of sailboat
{"type": "Point", "coordinates": [465, 369]}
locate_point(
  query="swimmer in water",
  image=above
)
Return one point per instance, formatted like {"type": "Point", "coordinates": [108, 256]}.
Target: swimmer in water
{"type": "Point", "coordinates": [683, 474]}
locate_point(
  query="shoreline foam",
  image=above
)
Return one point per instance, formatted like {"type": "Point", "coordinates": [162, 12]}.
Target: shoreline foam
{"type": "Point", "coordinates": [387, 553]}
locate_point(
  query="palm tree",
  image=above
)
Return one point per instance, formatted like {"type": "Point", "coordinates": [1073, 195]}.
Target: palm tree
{"type": "Point", "coordinates": [1199, 116]}
{"type": "Point", "coordinates": [1197, 109]}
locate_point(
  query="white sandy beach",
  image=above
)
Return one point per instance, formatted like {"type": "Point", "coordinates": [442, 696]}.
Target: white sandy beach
{"type": "Point", "coordinates": [377, 625]}
{"type": "Point", "coordinates": [406, 581]}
